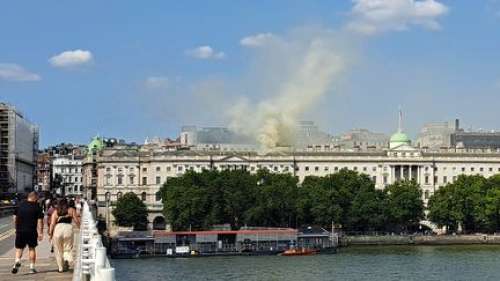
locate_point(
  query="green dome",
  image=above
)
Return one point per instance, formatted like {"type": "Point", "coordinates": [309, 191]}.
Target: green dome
{"type": "Point", "coordinates": [398, 139]}
{"type": "Point", "coordinates": [95, 145]}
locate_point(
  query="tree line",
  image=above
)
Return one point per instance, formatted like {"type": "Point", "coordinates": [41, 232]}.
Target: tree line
{"type": "Point", "coordinates": [469, 204]}
{"type": "Point", "coordinates": [348, 199]}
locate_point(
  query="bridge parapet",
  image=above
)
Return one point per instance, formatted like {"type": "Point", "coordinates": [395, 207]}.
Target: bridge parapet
{"type": "Point", "coordinates": [92, 263]}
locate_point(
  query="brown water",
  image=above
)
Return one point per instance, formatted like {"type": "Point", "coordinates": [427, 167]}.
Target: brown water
{"type": "Point", "coordinates": [354, 263]}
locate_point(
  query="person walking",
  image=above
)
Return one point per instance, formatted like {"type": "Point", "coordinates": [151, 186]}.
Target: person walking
{"type": "Point", "coordinates": [61, 234]}
{"type": "Point", "coordinates": [28, 220]}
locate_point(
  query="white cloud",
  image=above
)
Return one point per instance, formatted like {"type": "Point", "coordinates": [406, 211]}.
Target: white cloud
{"type": "Point", "coordinates": [205, 52]}
{"type": "Point", "coordinates": [256, 40]}
{"type": "Point", "coordinates": [156, 82]}
{"type": "Point", "coordinates": [14, 72]}
{"type": "Point", "coordinates": [71, 58]}
{"type": "Point", "coordinates": [375, 16]}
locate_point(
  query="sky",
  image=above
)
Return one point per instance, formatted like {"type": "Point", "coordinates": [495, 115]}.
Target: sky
{"type": "Point", "coordinates": [137, 69]}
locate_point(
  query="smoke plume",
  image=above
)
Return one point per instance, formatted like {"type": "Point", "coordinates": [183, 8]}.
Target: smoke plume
{"type": "Point", "coordinates": [303, 67]}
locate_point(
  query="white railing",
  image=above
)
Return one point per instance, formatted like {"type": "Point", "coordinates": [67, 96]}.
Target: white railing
{"type": "Point", "coordinates": [91, 262]}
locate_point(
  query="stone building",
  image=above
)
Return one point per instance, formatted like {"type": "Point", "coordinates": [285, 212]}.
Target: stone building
{"type": "Point", "coordinates": [43, 171]}
{"type": "Point", "coordinates": [143, 169]}
{"type": "Point", "coordinates": [69, 170]}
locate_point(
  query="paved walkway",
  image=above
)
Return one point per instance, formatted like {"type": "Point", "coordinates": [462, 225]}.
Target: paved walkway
{"type": "Point", "coordinates": [45, 265]}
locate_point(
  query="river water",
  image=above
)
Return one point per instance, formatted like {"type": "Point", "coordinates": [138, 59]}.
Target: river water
{"type": "Point", "coordinates": [480, 262]}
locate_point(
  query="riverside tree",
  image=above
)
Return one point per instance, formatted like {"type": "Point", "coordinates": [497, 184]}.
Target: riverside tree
{"type": "Point", "coordinates": [130, 211]}
{"type": "Point", "coordinates": [404, 205]}
{"type": "Point", "coordinates": [200, 200]}
{"type": "Point", "coordinates": [471, 203]}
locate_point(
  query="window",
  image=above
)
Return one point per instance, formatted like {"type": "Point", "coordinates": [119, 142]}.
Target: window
{"type": "Point", "coordinates": [108, 180]}
{"type": "Point", "coordinates": [158, 169]}
{"type": "Point", "coordinates": [463, 169]}
{"type": "Point", "coordinates": [179, 168]}
{"type": "Point", "coordinates": [472, 169]}
{"type": "Point", "coordinates": [481, 169]}
{"type": "Point", "coordinates": [275, 168]}
{"type": "Point", "coordinates": [118, 195]}
{"type": "Point", "coordinates": [426, 194]}
{"type": "Point", "coordinates": [120, 179]}
{"type": "Point", "coordinates": [355, 168]}
{"type": "Point", "coordinates": [435, 179]}
{"type": "Point", "coordinates": [374, 178]}
{"type": "Point", "coordinates": [158, 180]}
{"type": "Point", "coordinates": [316, 168]}
{"type": "Point", "coordinates": [131, 179]}
{"type": "Point", "coordinates": [107, 196]}
{"type": "Point", "coordinates": [336, 168]}
{"type": "Point", "coordinates": [490, 169]}
{"type": "Point", "coordinates": [158, 196]}
{"type": "Point", "coordinates": [445, 179]}
{"type": "Point", "coordinates": [143, 196]}
{"type": "Point", "coordinates": [131, 169]}
{"type": "Point", "coordinates": [326, 168]}
{"type": "Point", "coordinates": [374, 169]}
{"type": "Point", "coordinates": [385, 179]}
{"type": "Point", "coordinates": [168, 168]}
{"type": "Point", "coordinates": [144, 180]}
{"type": "Point", "coordinates": [364, 169]}
{"type": "Point", "coordinates": [307, 168]}
{"type": "Point", "coordinates": [144, 169]}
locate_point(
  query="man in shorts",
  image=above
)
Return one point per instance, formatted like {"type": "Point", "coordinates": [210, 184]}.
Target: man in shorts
{"type": "Point", "coordinates": [28, 219]}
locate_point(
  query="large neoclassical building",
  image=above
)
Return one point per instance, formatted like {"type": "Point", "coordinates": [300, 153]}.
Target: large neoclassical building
{"type": "Point", "coordinates": [143, 169]}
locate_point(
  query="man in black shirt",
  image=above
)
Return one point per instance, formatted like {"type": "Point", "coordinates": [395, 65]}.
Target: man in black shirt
{"type": "Point", "coordinates": [28, 219]}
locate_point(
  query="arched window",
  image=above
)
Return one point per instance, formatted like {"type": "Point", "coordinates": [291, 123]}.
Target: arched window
{"type": "Point", "coordinates": [118, 195]}
{"type": "Point", "coordinates": [143, 196]}
{"type": "Point", "coordinates": [107, 196]}
{"type": "Point", "coordinates": [158, 196]}
{"type": "Point", "coordinates": [159, 223]}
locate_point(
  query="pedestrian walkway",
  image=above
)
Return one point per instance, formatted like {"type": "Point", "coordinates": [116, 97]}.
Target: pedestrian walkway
{"type": "Point", "coordinates": [45, 265]}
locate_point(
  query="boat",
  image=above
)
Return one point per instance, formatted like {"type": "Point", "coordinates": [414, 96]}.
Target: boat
{"type": "Point", "coordinates": [299, 252]}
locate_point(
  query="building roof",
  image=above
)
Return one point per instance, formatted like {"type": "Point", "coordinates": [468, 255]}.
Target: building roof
{"type": "Point", "coordinates": [97, 144]}
{"type": "Point", "coordinates": [399, 139]}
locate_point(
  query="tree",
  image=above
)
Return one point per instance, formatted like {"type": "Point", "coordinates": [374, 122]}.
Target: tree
{"type": "Point", "coordinates": [131, 211]}
{"type": "Point", "coordinates": [367, 211]}
{"type": "Point", "coordinates": [275, 200]}
{"type": "Point", "coordinates": [405, 207]}
{"type": "Point", "coordinates": [462, 203]}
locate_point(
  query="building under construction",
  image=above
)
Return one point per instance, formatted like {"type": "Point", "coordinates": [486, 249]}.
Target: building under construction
{"type": "Point", "coordinates": [18, 148]}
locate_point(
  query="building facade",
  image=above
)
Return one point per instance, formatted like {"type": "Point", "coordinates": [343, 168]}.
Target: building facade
{"type": "Point", "coordinates": [18, 149]}
{"type": "Point", "coordinates": [43, 171]}
{"type": "Point", "coordinates": [68, 170]}
{"type": "Point", "coordinates": [143, 170]}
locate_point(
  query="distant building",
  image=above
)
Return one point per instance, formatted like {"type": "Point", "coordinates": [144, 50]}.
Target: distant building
{"type": "Point", "coordinates": [68, 169]}
{"type": "Point", "coordinates": [89, 162]}
{"type": "Point", "coordinates": [43, 171]}
{"type": "Point", "coordinates": [361, 138]}
{"type": "Point", "coordinates": [439, 135]}
{"type": "Point", "coordinates": [18, 149]}
{"type": "Point", "coordinates": [308, 134]}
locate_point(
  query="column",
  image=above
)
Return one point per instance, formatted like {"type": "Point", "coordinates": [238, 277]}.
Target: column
{"type": "Point", "coordinates": [409, 172]}
{"type": "Point", "coordinates": [401, 172]}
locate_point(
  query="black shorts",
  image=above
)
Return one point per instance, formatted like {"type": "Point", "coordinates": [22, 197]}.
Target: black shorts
{"type": "Point", "coordinates": [26, 238]}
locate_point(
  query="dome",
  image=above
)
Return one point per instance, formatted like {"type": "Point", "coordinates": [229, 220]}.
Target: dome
{"type": "Point", "coordinates": [399, 139]}
{"type": "Point", "coordinates": [95, 145]}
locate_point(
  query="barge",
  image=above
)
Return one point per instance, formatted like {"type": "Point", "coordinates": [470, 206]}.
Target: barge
{"type": "Point", "coordinates": [244, 242]}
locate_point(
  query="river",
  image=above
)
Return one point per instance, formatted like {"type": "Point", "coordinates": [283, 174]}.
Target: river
{"type": "Point", "coordinates": [478, 262]}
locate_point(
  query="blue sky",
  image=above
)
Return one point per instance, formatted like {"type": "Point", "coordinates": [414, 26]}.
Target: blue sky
{"type": "Point", "coordinates": [139, 68]}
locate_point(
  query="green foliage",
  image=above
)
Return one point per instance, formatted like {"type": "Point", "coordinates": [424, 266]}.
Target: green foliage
{"type": "Point", "coordinates": [472, 202]}
{"type": "Point", "coordinates": [131, 211]}
{"type": "Point", "coordinates": [405, 207]}
{"type": "Point", "coordinates": [200, 200]}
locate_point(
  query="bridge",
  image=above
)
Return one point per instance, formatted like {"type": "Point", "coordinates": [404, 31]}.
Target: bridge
{"type": "Point", "coordinates": [90, 259]}
{"type": "Point", "coordinates": [432, 226]}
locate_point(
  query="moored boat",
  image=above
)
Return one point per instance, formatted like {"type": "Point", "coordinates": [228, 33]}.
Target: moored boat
{"type": "Point", "coordinates": [299, 252]}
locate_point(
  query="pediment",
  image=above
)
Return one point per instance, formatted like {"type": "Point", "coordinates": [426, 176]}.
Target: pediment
{"type": "Point", "coordinates": [233, 158]}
